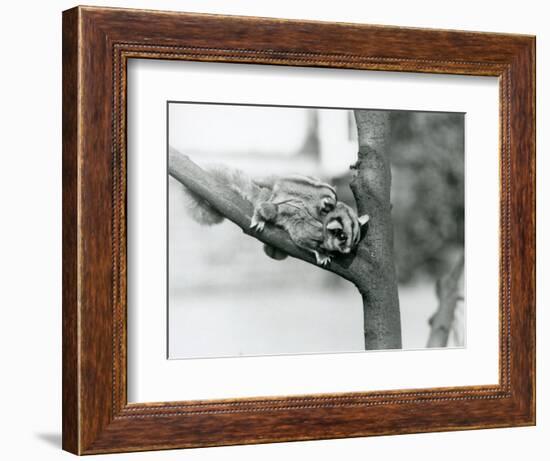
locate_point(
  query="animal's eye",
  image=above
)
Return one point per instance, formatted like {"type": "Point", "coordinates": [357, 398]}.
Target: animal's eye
{"type": "Point", "coordinates": [341, 235]}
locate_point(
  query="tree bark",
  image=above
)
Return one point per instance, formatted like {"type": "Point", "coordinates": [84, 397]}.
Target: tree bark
{"type": "Point", "coordinates": [371, 266]}
{"type": "Point", "coordinates": [371, 186]}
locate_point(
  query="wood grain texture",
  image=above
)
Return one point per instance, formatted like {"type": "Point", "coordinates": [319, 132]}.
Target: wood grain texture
{"type": "Point", "coordinates": [70, 384]}
{"type": "Point", "coordinates": [97, 42]}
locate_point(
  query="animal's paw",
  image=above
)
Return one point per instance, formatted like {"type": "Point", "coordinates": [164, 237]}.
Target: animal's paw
{"type": "Point", "coordinates": [326, 260]}
{"type": "Point", "coordinates": [257, 224]}
{"type": "Point", "coordinates": [322, 260]}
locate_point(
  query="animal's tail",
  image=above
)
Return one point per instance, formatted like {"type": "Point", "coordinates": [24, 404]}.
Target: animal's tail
{"type": "Point", "coordinates": [199, 209]}
{"type": "Point", "coordinates": [203, 212]}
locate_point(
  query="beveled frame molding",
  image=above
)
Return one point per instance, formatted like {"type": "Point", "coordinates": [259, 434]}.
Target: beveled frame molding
{"type": "Point", "coordinates": [97, 43]}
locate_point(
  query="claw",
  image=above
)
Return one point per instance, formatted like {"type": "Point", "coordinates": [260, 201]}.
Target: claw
{"type": "Point", "coordinates": [258, 226]}
{"type": "Point", "coordinates": [327, 261]}
{"type": "Point", "coordinates": [322, 260]}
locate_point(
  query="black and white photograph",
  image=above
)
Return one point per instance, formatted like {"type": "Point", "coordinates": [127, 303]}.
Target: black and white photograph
{"type": "Point", "coordinates": [307, 230]}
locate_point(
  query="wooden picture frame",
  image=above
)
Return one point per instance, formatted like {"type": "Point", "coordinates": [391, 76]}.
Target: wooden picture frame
{"type": "Point", "coordinates": [97, 43]}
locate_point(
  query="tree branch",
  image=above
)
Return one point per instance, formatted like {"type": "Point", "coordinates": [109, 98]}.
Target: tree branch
{"type": "Point", "coordinates": [448, 294]}
{"type": "Point", "coordinates": [236, 209]}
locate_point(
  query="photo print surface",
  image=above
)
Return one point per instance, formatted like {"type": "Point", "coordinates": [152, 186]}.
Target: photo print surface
{"type": "Point", "coordinates": [296, 230]}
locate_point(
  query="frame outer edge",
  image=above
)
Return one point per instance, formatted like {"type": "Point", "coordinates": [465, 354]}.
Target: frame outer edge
{"type": "Point", "coordinates": [533, 69]}
{"type": "Point", "coordinates": [70, 273]}
{"type": "Point", "coordinates": [528, 69]}
{"type": "Point", "coordinates": [522, 190]}
{"type": "Point", "coordinates": [91, 419]}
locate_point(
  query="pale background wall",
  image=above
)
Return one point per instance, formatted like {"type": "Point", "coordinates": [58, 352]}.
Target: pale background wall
{"type": "Point", "coordinates": [30, 247]}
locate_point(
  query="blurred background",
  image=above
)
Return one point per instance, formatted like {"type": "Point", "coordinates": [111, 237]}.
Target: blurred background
{"type": "Point", "coordinates": [227, 298]}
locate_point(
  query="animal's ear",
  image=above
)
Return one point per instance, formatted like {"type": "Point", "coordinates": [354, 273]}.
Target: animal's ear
{"type": "Point", "coordinates": [364, 219]}
{"type": "Point", "coordinates": [334, 224]}
{"type": "Point", "coordinates": [327, 204]}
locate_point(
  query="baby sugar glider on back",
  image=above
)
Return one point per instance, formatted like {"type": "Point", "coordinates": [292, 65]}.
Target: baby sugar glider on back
{"type": "Point", "coordinates": [288, 194]}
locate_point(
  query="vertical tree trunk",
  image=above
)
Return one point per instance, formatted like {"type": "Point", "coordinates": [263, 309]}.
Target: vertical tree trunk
{"type": "Point", "coordinates": [371, 186]}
